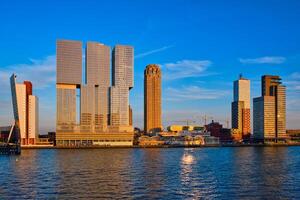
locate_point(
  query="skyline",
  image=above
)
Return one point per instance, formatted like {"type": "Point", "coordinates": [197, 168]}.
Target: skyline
{"type": "Point", "coordinates": [199, 63]}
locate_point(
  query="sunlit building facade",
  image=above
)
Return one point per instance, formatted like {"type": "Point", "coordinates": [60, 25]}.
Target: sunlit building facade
{"type": "Point", "coordinates": [33, 119]}
{"type": "Point", "coordinates": [68, 79]}
{"type": "Point", "coordinates": [98, 81]}
{"type": "Point", "coordinates": [264, 117]}
{"type": "Point", "coordinates": [240, 109]}
{"type": "Point", "coordinates": [26, 111]}
{"type": "Point", "coordinates": [122, 82]}
{"type": "Point", "coordinates": [152, 99]}
{"type": "Point", "coordinates": [92, 111]}
{"type": "Point", "coordinates": [271, 110]}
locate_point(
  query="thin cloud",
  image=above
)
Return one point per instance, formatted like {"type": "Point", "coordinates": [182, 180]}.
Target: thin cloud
{"type": "Point", "coordinates": [141, 55]}
{"type": "Point", "coordinates": [292, 85]}
{"type": "Point", "coordinates": [263, 60]}
{"type": "Point", "coordinates": [295, 75]}
{"type": "Point", "coordinates": [193, 93]}
{"type": "Point", "coordinates": [293, 82]}
{"type": "Point", "coordinates": [186, 69]}
{"type": "Point", "coordinates": [42, 72]}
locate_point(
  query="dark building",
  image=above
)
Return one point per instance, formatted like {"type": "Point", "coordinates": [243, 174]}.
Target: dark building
{"type": "Point", "coordinates": [4, 132]}
{"type": "Point", "coordinates": [216, 129]}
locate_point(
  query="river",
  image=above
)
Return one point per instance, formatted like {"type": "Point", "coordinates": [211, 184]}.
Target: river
{"type": "Point", "coordinates": [152, 173]}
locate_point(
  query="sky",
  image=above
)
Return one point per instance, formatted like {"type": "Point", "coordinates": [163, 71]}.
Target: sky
{"type": "Point", "coordinates": [201, 47]}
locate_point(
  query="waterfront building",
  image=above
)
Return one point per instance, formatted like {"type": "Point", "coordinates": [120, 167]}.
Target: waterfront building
{"type": "Point", "coordinates": [216, 130]}
{"type": "Point", "coordinates": [92, 111]}
{"type": "Point", "coordinates": [68, 80]}
{"type": "Point", "coordinates": [264, 117]}
{"type": "Point", "coordinates": [152, 99]}
{"type": "Point", "coordinates": [179, 128]}
{"type": "Point", "coordinates": [98, 79]}
{"type": "Point", "coordinates": [240, 109]}
{"type": "Point", "coordinates": [122, 82]}
{"type": "Point", "coordinates": [269, 111]}
{"type": "Point", "coordinates": [294, 135]}
{"type": "Point", "coordinates": [26, 111]}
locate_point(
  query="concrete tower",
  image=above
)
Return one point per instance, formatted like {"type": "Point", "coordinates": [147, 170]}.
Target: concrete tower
{"type": "Point", "coordinates": [152, 99]}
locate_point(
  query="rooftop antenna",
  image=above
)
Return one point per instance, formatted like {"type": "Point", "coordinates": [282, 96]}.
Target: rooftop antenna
{"type": "Point", "coordinates": [241, 75]}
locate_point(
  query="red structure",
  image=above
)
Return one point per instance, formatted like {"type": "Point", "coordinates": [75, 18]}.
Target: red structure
{"type": "Point", "coordinates": [28, 85]}
{"type": "Point", "coordinates": [216, 129]}
{"type": "Point", "coordinates": [246, 124]}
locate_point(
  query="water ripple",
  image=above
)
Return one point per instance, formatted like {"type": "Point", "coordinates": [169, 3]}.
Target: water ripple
{"type": "Point", "coordinates": [201, 173]}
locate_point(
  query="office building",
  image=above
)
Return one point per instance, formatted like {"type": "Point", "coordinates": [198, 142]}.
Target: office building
{"type": "Point", "coordinates": [122, 82]}
{"type": "Point", "coordinates": [264, 117]}
{"type": "Point", "coordinates": [270, 111]}
{"type": "Point", "coordinates": [240, 109]}
{"type": "Point", "coordinates": [68, 79]}
{"type": "Point", "coordinates": [92, 111]}
{"type": "Point", "coordinates": [69, 62]}
{"type": "Point", "coordinates": [152, 99]}
{"type": "Point", "coordinates": [98, 79]}
{"type": "Point", "coordinates": [26, 111]}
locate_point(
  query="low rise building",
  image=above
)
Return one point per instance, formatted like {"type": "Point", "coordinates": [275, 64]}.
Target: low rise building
{"type": "Point", "coordinates": [294, 135]}
{"type": "Point", "coordinates": [178, 128]}
{"type": "Point", "coordinates": [216, 130]}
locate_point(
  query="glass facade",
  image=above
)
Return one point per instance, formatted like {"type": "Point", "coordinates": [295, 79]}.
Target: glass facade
{"type": "Point", "coordinates": [103, 108]}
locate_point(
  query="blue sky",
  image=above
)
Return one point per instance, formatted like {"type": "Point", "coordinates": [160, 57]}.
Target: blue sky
{"type": "Point", "coordinates": [202, 46]}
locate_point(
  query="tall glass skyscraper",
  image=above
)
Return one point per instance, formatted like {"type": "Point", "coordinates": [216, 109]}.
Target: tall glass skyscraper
{"type": "Point", "coordinates": [93, 111]}
{"type": "Point", "coordinates": [122, 82]}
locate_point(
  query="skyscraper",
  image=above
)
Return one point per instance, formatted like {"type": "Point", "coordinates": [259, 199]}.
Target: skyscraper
{"type": "Point", "coordinates": [240, 108]}
{"type": "Point", "coordinates": [68, 79]}
{"type": "Point", "coordinates": [152, 99]}
{"type": "Point", "coordinates": [264, 118]}
{"type": "Point", "coordinates": [26, 111]}
{"type": "Point", "coordinates": [272, 107]}
{"type": "Point", "coordinates": [98, 79]}
{"type": "Point", "coordinates": [33, 119]}
{"type": "Point", "coordinates": [92, 111]}
{"type": "Point", "coordinates": [122, 82]}
{"type": "Point", "coordinates": [69, 62]}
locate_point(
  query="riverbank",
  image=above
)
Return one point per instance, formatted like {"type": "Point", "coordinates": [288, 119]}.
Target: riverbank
{"type": "Point", "coordinates": [160, 146]}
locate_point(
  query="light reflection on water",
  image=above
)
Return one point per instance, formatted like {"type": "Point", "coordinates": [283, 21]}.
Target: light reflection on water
{"type": "Point", "coordinates": [223, 173]}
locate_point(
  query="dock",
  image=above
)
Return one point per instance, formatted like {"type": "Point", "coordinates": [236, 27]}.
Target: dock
{"type": "Point", "coordinates": [10, 149]}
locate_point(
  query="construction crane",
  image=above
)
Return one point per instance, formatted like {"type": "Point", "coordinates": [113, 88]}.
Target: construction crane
{"type": "Point", "coordinates": [225, 121]}
{"type": "Point", "coordinates": [205, 118]}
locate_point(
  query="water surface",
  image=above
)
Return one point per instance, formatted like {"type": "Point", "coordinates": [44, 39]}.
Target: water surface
{"type": "Point", "coordinates": [153, 173]}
